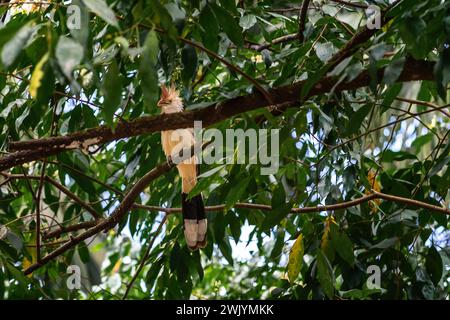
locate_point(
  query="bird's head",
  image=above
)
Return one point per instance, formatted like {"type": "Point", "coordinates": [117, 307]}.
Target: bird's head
{"type": "Point", "coordinates": [170, 100]}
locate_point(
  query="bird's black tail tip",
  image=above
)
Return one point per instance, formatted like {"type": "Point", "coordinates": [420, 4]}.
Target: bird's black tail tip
{"type": "Point", "coordinates": [194, 221]}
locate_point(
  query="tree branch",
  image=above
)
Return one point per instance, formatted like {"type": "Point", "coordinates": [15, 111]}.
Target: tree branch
{"type": "Point", "coordinates": [59, 186]}
{"type": "Point", "coordinates": [286, 38]}
{"type": "Point", "coordinates": [302, 20]}
{"type": "Point", "coordinates": [255, 206]}
{"type": "Point", "coordinates": [27, 151]}
{"type": "Point", "coordinates": [337, 206]}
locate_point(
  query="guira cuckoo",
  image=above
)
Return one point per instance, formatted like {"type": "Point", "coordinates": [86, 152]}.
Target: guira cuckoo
{"type": "Point", "coordinates": [173, 141]}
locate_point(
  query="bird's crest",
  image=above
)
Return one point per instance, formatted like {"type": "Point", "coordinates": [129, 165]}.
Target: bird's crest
{"type": "Point", "coordinates": [169, 93]}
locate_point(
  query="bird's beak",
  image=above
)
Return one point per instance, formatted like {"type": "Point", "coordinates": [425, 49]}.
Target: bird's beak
{"type": "Point", "coordinates": [160, 103]}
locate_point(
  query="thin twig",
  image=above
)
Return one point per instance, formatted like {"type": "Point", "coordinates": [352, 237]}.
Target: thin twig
{"type": "Point", "coordinates": [145, 257]}
{"type": "Point", "coordinates": [351, 4]}
{"type": "Point", "coordinates": [302, 20]}
{"type": "Point", "coordinates": [62, 188]}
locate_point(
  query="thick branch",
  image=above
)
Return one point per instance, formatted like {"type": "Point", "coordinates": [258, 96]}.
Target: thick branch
{"type": "Point", "coordinates": [287, 96]}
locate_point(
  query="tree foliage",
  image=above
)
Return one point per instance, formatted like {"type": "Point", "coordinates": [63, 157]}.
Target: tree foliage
{"type": "Point", "coordinates": [364, 134]}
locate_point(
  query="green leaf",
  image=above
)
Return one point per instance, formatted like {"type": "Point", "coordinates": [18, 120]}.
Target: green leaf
{"type": "Point", "coordinates": [7, 250]}
{"type": "Point", "coordinates": [280, 208]}
{"type": "Point", "coordinates": [247, 21]}
{"type": "Point", "coordinates": [325, 51]}
{"type": "Point", "coordinates": [148, 72]}
{"type": "Point", "coordinates": [421, 141]}
{"type": "Point", "coordinates": [229, 25]}
{"type": "Point", "coordinates": [342, 244]}
{"type": "Point", "coordinates": [278, 197]}
{"type": "Point", "coordinates": [386, 243]}
{"type": "Point", "coordinates": [225, 248]}
{"type": "Point", "coordinates": [42, 82]}
{"type": "Point", "coordinates": [84, 253]}
{"type": "Point", "coordinates": [235, 193]}
{"type": "Point", "coordinates": [357, 118]}
{"type": "Point", "coordinates": [230, 5]}
{"type": "Point", "coordinates": [37, 76]}
{"type": "Point", "coordinates": [389, 96]}
{"type": "Point", "coordinates": [208, 22]}
{"type": "Point", "coordinates": [189, 59]}
{"type": "Point", "coordinates": [393, 71]}
{"type": "Point", "coordinates": [112, 90]}
{"type": "Point", "coordinates": [14, 47]}
{"type": "Point", "coordinates": [434, 265]}
{"type": "Point", "coordinates": [69, 54]}
{"type": "Point", "coordinates": [295, 259]}
{"type": "Point", "coordinates": [312, 81]}
{"type": "Point", "coordinates": [390, 156]}
{"type": "Point", "coordinates": [101, 8]}
{"type": "Point", "coordinates": [325, 274]}
{"type": "Point", "coordinates": [442, 71]}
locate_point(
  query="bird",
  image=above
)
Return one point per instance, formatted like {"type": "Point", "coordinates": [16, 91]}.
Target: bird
{"type": "Point", "coordinates": [173, 141]}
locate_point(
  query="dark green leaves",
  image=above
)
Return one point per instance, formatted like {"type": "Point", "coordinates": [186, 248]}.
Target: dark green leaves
{"type": "Point", "coordinates": [230, 5]}
{"type": "Point", "coordinates": [390, 156]}
{"type": "Point", "coordinates": [11, 49]}
{"type": "Point", "coordinates": [295, 258]}
{"type": "Point", "coordinates": [357, 119]}
{"type": "Point", "coordinates": [342, 245]}
{"type": "Point", "coordinates": [323, 158]}
{"type": "Point", "coordinates": [210, 32]}
{"type": "Point", "coordinates": [433, 264]}
{"type": "Point", "coordinates": [393, 71]}
{"type": "Point", "coordinates": [229, 25]}
{"type": "Point", "coordinates": [280, 208]}
{"type": "Point", "coordinates": [42, 82]}
{"type": "Point", "coordinates": [189, 59]}
{"type": "Point", "coordinates": [442, 71]}
{"type": "Point", "coordinates": [325, 274]}
{"type": "Point", "coordinates": [84, 253]}
{"type": "Point", "coordinates": [236, 192]}
{"type": "Point", "coordinates": [248, 21]}
{"type": "Point", "coordinates": [100, 8]}
{"type": "Point", "coordinates": [112, 90]}
{"type": "Point", "coordinates": [147, 70]}
{"type": "Point", "coordinates": [421, 141]}
{"type": "Point", "coordinates": [69, 54]}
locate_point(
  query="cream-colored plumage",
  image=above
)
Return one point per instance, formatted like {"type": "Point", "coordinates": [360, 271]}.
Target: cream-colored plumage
{"type": "Point", "coordinates": [173, 141]}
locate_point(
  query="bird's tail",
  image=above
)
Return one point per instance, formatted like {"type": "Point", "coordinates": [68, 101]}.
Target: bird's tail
{"type": "Point", "coordinates": [194, 221]}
